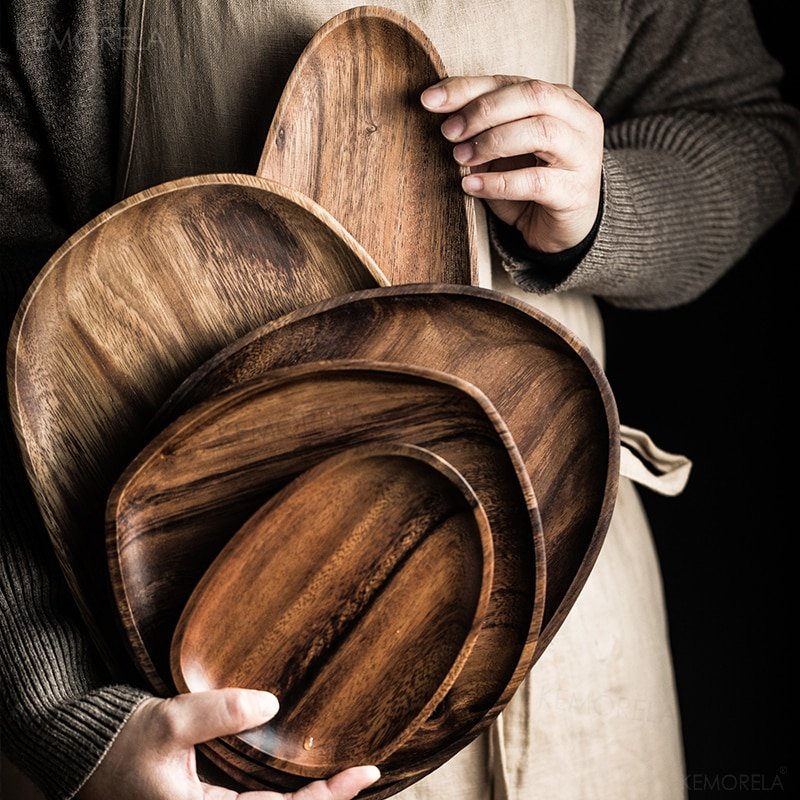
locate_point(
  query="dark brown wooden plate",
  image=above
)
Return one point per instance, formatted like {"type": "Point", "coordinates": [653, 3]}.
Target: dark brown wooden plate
{"type": "Point", "coordinates": [542, 380]}
{"type": "Point", "coordinates": [350, 133]}
{"type": "Point", "coordinates": [241, 447]}
{"type": "Point", "coordinates": [127, 308]}
{"type": "Point", "coordinates": [355, 595]}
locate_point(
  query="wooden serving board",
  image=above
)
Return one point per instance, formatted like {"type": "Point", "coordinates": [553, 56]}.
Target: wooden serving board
{"type": "Point", "coordinates": [350, 133]}
{"type": "Point", "coordinates": [543, 381]}
{"type": "Point", "coordinates": [334, 595]}
{"type": "Point", "coordinates": [126, 309]}
{"type": "Point", "coordinates": [164, 530]}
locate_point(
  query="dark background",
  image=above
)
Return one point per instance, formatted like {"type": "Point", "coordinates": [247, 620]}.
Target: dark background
{"type": "Point", "coordinates": [709, 380]}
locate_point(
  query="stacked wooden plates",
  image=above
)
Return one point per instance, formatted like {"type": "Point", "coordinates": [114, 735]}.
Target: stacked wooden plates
{"type": "Point", "coordinates": [377, 502]}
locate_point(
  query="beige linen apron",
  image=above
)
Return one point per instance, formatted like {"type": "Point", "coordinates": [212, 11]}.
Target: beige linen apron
{"type": "Point", "coordinates": [597, 718]}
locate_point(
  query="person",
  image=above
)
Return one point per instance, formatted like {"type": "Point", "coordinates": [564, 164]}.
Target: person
{"type": "Point", "coordinates": [642, 184]}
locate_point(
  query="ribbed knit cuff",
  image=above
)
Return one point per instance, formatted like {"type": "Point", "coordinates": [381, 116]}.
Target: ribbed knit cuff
{"type": "Point", "coordinates": [544, 272]}
{"type": "Point", "coordinates": [602, 271]}
{"type": "Point", "coordinates": [59, 713]}
{"type": "Point", "coordinates": [636, 221]}
{"type": "Point", "coordinates": [73, 739]}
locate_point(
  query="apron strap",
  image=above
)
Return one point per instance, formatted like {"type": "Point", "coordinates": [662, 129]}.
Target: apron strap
{"type": "Point", "coordinates": [648, 465]}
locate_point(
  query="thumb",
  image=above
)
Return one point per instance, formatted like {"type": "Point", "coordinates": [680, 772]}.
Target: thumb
{"type": "Point", "coordinates": [200, 716]}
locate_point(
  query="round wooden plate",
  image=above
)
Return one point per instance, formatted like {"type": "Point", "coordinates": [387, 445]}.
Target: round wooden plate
{"type": "Point", "coordinates": [126, 309]}
{"type": "Point", "coordinates": [355, 595]}
{"type": "Point", "coordinates": [197, 482]}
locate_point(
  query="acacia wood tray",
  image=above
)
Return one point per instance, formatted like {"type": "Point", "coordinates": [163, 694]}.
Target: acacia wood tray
{"type": "Point", "coordinates": [350, 132]}
{"type": "Point", "coordinates": [355, 595]}
{"type": "Point", "coordinates": [542, 380]}
{"type": "Point", "coordinates": [240, 447]}
{"type": "Point", "coordinates": [126, 309]}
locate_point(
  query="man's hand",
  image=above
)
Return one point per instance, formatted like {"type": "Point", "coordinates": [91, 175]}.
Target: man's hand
{"type": "Point", "coordinates": [153, 756]}
{"type": "Point", "coordinates": [535, 149]}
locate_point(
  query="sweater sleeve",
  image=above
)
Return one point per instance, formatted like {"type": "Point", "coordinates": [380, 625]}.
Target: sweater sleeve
{"type": "Point", "coordinates": [59, 710]}
{"type": "Point", "coordinates": [701, 154]}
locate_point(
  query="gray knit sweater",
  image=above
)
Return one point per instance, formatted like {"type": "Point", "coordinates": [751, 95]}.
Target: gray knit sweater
{"type": "Point", "coordinates": [701, 157]}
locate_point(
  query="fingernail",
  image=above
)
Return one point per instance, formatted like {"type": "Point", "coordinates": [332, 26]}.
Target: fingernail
{"type": "Point", "coordinates": [434, 97]}
{"type": "Point", "coordinates": [376, 773]}
{"type": "Point", "coordinates": [453, 128]}
{"type": "Point", "coordinates": [472, 183]}
{"type": "Point", "coordinates": [463, 152]}
{"type": "Point", "coordinates": [269, 704]}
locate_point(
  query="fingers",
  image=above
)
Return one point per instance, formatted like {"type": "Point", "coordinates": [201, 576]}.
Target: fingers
{"type": "Point", "coordinates": [543, 185]}
{"type": "Point", "coordinates": [190, 719]}
{"type": "Point", "coordinates": [482, 103]}
{"type": "Point", "coordinates": [453, 93]}
{"type": "Point", "coordinates": [544, 136]}
{"type": "Point", "coordinates": [343, 786]}
{"type": "Point", "coordinates": [534, 150]}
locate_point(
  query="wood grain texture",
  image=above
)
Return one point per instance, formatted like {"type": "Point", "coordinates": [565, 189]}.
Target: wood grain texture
{"type": "Point", "coordinates": [243, 446]}
{"type": "Point", "coordinates": [355, 595]}
{"type": "Point", "coordinates": [126, 309]}
{"type": "Point", "coordinates": [543, 381]}
{"type": "Point", "coordinates": [350, 133]}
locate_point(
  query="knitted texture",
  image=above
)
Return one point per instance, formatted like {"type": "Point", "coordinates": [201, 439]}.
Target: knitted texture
{"type": "Point", "coordinates": [57, 721]}
{"type": "Point", "coordinates": [59, 710]}
{"type": "Point", "coordinates": [701, 156]}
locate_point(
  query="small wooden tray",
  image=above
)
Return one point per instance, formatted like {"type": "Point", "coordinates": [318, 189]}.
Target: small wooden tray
{"type": "Point", "coordinates": [350, 133]}
{"type": "Point", "coordinates": [355, 595]}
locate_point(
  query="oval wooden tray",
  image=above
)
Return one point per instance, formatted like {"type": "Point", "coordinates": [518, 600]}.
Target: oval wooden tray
{"type": "Point", "coordinates": [281, 425]}
{"type": "Point", "coordinates": [333, 595]}
{"type": "Point", "coordinates": [350, 133]}
{"type": "Point", "coordinates": [542, 380]}
{"type": "Point", "coordinates": [127, 308]}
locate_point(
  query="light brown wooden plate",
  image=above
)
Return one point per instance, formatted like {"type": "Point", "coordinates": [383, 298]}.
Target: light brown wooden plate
{"type": "Point", "coordinates": [355, 595]}
{"type": "Point", "coordinates": [350, 133]}
{"type": "Point", "coordinates": [543, 382]}
{"type": "Point", "coordinates": [165, 529]}
{"type": "Point", "coordinates": [127, 308]}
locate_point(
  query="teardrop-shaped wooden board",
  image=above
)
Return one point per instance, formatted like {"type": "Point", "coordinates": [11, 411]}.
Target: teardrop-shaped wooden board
{"type": "Point", "coordinates": [350, 133]}
{"type": "Point", "coordinates": [355, 595]}
{"type": "Point", "coordinates": [542, 380]}
{"type": "Point", "coordinates": [124, 311]}
{"type": "Point", "coordinates": [201, 478]}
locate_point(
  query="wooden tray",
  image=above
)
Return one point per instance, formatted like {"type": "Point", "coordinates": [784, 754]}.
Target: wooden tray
{"type": "Point", "coordinates": [333, 595]}
{"type": "Point", "coordinates": [126, 309]}
{"type": "Point", "coordinates": [542, 380]}
{"type": "Point", "coordinates": [350, 133]}
{"type": "Point", "coordinates": [164, 532]}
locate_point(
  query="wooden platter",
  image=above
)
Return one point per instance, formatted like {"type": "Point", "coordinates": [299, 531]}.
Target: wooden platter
{"type": "Point", "coordinates": [244, 445]}
{"type": "Point", "coordinates": [544, 383]}
{"type": "Point", "coordinates": [126, 309]}
{"type": "Point", "coordinates": [350, 133]}
{"type": "Point", "coordinates": [355, 595]}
